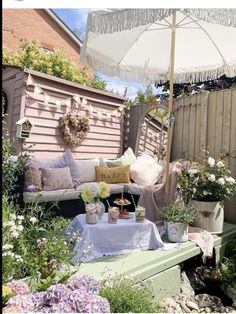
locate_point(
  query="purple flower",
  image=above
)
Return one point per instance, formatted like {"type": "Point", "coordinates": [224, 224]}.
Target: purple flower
{"type": "Point", "coordinates": [31, 188]}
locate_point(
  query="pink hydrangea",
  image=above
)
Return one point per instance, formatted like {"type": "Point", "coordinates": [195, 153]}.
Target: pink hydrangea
{"type": "Point", "coordinates": [19, 287]}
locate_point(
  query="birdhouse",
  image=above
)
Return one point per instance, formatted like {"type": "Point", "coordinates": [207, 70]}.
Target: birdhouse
{"type": "Point", "coordinates": [23, 128]}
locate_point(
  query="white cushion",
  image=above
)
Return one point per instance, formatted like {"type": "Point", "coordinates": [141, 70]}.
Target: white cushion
{"type": "Point", "coordinates": [145, 170]}
{"type": "Point", "coordinates": [128, 157]}
{"type": "Point", "coordinates": [86, 169]}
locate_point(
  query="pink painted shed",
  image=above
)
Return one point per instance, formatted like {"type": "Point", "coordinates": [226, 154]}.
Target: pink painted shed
{"type": "Point", "coordinates": [104, 110]}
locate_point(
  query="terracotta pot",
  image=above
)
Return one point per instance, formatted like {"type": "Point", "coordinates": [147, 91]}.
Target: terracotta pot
{"type": "Point", "coordinates": [210, 216]}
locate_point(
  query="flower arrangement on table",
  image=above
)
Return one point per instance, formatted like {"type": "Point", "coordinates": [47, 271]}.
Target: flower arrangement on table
{"type": "Point", "coordinates": [91, 195]}
{"type": "Point", "coordinates": [209, 181]}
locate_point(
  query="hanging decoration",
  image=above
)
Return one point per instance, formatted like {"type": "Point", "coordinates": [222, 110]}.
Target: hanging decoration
{"type": "Point", "coordinates": [74, 128]}
{"type": "Point", "coordinates": [81, 102]}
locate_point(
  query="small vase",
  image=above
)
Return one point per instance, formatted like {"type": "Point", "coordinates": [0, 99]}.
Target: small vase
{"type": "Point", "coordinates": [91, 218]}
{"type": "Point", "coordinates": [101, 207]}
{"type": "Point", "coordinates": [210, 216]}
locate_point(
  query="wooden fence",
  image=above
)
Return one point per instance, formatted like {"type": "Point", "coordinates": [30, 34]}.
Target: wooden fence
{"type": "Point", "coordinates": [207, 121]}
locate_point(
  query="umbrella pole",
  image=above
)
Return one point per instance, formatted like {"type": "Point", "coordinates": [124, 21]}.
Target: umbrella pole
{"type": "Point", "coordinates": [170, 108]}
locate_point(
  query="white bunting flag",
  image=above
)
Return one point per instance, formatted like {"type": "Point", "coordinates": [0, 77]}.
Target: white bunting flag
{"type": "Point", "coordinates": [90, 109]}
{"type": "Point", "coordinates": [84, 102]}
{"type": "Point", "coordinates": [108, 116]}
{"type": "Point", "coordinates": [58, 102]}
{"type": "Point", "coordinates": [47, 98]}
{"type": "Point", "coordinates": [37, 90]}
{"type": "Point", "coordinates": [76, 97]}
{"type": "Point", "coordinates": [30, 80]}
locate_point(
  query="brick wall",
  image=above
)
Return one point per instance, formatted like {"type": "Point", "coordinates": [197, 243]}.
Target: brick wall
{"type": "Point", "coordinates": [30, 24]}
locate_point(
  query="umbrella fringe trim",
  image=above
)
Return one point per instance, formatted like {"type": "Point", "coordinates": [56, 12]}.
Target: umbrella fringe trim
{"type": "Point", "coordinates": [119, 20]}
{"type": "Point", "coordinates": [189, 77]}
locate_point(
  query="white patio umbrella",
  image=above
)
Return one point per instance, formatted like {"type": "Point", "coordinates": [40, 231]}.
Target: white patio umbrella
{"type": "Point", "coordinates": [147, 45]}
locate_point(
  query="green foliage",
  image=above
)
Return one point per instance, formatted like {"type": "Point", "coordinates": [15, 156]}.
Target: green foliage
{"type": "Point", "coordinates": [179, 212]}
{"type": "Point", "coordinates": [57, 277]}
{"type": "Point", "coordinates": [11, 169]}
{"type": "Point", "coordinates": [146, 97]}
{"type": "Point", "coordinates": [32, 56]}
{"type": "Point", "coordinates": [124, 297]}
{"type": "Point", "coordinates": [228, 265]}
{"type": "Point", "coordinates": [33, 241]}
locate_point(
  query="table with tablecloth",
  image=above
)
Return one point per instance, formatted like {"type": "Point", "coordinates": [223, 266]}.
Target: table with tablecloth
{"type": "Point", "coordinates": [103, 238]}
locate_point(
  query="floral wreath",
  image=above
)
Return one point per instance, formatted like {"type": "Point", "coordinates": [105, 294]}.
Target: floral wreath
{"type": "Point", "coordinates": [74, 128]}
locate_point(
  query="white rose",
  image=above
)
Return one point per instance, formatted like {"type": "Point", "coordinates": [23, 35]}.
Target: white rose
{"type": "Point", "coordinates": [211, 177]}
{"type": "Point", "coordinates": [230, 180]}
{"type": "Point", "coordinates": [192, 172]}
{"type": "Point", "coordinates": [221, 181]}
{"type": "Point", "coordinates": [211, 162]}
{"type": "Point", "coordinates": [6, 247]}
{"type": "Point", "coordinates": [220, 164]}
{"type": "Point", "coordinates": [15, 234]}
{"type": "Point", "coordinates": [94, 189]}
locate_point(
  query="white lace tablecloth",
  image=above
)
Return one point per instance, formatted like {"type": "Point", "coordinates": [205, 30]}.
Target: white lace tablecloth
{"type": "Point", "coordinates": [127, 236]}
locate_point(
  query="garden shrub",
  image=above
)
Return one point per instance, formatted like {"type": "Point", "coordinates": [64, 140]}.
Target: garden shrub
{"type": "Point", "coordinates": [34, 242]}
{"type": "Point", "coordinates": [125, 297]}
{"type": "Point", "coordinates": [31, 56]}
{"type": "Point", "coordinates": [228, 264]}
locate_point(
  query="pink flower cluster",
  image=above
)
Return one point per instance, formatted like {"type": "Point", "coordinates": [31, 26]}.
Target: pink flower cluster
{"type": "Point", "coordinates": [78, 295]}
{"type": "Point", "coordinates": [19, 287]}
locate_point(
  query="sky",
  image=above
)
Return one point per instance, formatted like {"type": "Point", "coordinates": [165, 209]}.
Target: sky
{"type": "Point", "coordinates": [77, 18]}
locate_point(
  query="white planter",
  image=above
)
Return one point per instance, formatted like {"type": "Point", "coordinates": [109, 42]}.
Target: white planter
{"type": "Point", "coordinates": [210, 216]}
{"type": "Point", "coordinates": [177, 232]}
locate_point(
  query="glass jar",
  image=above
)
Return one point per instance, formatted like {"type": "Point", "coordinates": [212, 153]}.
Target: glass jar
{"type": "Point", "coordinates": [140, 214]}
{"type": "Point", "coordinates": [113, 215]}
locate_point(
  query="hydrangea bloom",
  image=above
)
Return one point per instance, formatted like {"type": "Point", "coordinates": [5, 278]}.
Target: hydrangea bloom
{"type": "Point", "coordinates": [78, 295]}
{"type": "Point", "coordinates": [19, 287]}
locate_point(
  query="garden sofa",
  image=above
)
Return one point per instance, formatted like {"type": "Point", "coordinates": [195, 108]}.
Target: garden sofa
{"type": "Point", "coordinates": [69, 199]}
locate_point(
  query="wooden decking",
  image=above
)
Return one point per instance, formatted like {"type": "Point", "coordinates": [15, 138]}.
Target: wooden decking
{"type": "Point", "coordinates": [155, 266]}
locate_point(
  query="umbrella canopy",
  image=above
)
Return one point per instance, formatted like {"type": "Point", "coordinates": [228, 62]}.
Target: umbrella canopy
{"type": "Point", "coordinates": [135, 44]}
{"type": "Point", "coordinates": [147, 45]}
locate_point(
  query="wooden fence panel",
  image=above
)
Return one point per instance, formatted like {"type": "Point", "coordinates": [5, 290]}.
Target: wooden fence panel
{"type": "Point", "coordinates": [207, 121]}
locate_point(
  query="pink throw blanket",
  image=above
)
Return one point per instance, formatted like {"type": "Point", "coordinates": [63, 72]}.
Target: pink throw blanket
{"type": "Point", "coordinates": [152, 198]}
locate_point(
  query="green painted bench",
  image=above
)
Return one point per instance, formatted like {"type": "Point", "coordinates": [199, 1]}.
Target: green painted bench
{"type": "Point", "coordinates": [159, 268]}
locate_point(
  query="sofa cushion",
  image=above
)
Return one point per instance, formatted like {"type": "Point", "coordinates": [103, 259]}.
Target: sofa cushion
{"type": "Point", "coordinates": [128, 157]}
{"type": "Point", "coordinates": [67, 160]}
{"type": "Point", "coordinates": [145, 170]}
{"type": "Point", "coordinates": [32, 180]}
{"type": "Point", "coordinates": [113, 174]}
{"type": "Point", "coordinates": [86, 169]}
{"type": "Point", "coordinates": [56, 178]}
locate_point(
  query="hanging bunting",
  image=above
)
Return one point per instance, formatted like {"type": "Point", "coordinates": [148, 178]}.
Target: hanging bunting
{"type": "Point", "coordinates": [58, 102]}
{"type": "Point", "coordinates": [76, 97]}
{"type": "Point", "coordinates": [37, 90]}
{"type": "Point", "coordinates": [47, 98]}
{"type": "Point", "coordinates": [30, 80]}
{"type": "Point", "coordinates": [84, 103]}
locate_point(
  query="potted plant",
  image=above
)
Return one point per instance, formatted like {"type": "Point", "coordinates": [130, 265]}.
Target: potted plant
{"type": "Point", "coordinates": [206, 184]}
{"type": "Point", "coordinates": [178, 217]}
